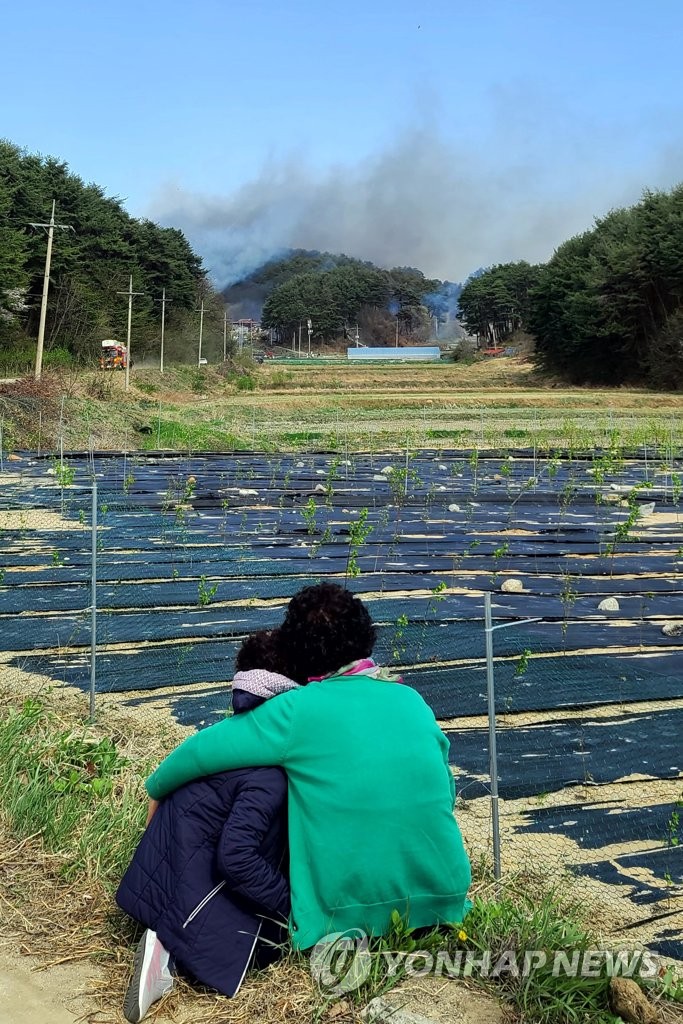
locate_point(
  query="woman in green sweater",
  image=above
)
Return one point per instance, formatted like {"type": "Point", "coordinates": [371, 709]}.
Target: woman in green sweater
{"type": "Point", "coordinates": [371, 795]}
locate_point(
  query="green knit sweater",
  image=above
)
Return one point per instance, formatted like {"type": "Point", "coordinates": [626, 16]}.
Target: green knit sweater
{"type": "Point", "coordinates": [371, 825]}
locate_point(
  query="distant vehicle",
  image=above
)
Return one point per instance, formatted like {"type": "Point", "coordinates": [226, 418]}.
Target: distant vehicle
{"type": "Point", "coordinates": [203, 362]}
{"type": "Point", "coordinates": [114, 355]}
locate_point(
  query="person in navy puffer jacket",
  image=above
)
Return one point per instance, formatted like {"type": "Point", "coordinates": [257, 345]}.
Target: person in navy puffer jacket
{"type": "Point", "coordinates": [209, 878]}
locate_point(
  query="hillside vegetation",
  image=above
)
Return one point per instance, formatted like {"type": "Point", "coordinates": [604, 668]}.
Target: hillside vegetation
{"type": "Point", "coordinates": [92, 260]}
{"type": "Point", "coordinates": [607, 308]}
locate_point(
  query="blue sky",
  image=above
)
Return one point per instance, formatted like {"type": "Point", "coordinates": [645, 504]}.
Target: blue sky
{"type": "Point", "coordinates": [503, 124]}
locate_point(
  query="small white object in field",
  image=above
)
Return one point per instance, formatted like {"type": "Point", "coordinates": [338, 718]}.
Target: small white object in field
{"type": "Point", "coordinates": [320, 472]}
{"type": "Point", "coordinates": [647, 509]}
{"type": "Point", "coordinates": [441, 488]}
{"type": "Point", "coordinates": [246, 491]}
{"type": "Point", "coordinates": [512, 586]}
{"type": "Point", "coordinates": [379, 476]}
{"type": "Point", "coordinates": [453, 508]}
{"type": "Point", "coordinates": [672, 629]}
{"type": "Point", "coordinates": [388, 469]}
{"type": "Point", "coordinates": [321, 487]}
{"type": "Point", "coordinates": [609, 604]}
{"type": "Point", "coordinates": [300, 465]}
{"type": "Point", "coordinates": [345, 462]}
{"type": "Point", "coordinates": [442, 467]}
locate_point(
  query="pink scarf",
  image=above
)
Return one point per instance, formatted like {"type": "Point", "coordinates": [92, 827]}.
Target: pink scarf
{"type": "Point", "coordinates": [362, 667]}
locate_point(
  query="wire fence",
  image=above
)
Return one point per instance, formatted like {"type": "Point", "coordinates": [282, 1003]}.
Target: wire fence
{"type": "Point", "coordinates": [539, 611]}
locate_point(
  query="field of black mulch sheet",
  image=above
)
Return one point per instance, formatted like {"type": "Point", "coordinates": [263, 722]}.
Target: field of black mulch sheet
{"type": "Point", "coordinates": [195, 552]}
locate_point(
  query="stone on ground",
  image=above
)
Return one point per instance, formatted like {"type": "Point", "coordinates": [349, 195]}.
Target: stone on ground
{"type": "Point", "coordinates": [627, 1000]}
{"type": "Point", "coordinates": [512, 587]}
{"type": "Point", "coordinates": [609, 604]}
{"type": "Point", "coordinates": [434, 1000]}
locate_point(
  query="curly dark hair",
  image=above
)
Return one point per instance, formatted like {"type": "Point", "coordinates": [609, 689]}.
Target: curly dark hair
{"type": "Point", "coordinates": [260, 650]}
{"type": "Point", "coordinates": [325, 628]}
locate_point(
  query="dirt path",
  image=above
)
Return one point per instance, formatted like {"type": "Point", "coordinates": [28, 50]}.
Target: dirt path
{"type": "Point", "coordinates": [28, 995]}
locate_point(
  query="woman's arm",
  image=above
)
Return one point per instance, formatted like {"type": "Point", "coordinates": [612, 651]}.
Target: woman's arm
{"type": "Point", "coordinates": [256, 738]}
{"type": "Point", "coordinates": [445, 745]}
{"type": "Point", "coordinates": [239, 858]}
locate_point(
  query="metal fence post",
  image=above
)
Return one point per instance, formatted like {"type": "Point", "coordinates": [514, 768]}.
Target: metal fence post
{"type": "Point", "coordinates": [93, 597]}
{"type": "Point", "coordinates": [493, 750]}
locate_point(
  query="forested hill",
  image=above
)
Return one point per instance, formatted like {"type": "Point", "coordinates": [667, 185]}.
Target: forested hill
{"type": "Point", "coordinates": [338, 292]}
{"type": "Point", "coordinates": [91, 264]}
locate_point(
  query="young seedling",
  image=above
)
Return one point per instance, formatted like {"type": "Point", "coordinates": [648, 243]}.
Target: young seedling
{"type": "Point", "coordinates": [359, 531]}
{"type": "Point", "coordinates": [309, 515]}
{"type": "Point", "coordinates": [205, 593]}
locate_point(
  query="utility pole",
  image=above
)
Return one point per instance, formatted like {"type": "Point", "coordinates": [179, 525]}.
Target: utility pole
{"type": "Point", "coordinates": [130, 293]}
{"type": "Point", "coordinates": [201, 333]}
{"type": "Point", "coordinates": [397, 330]}
{"type": "Point", "coordinates": [164, 300]}
{"type": "Point", "coordinates": [310, 332]}
{"type": "Point", "coordinates": [225, 336]}
{"type": "Point", "coordinates": [299, 339]}
{"type": "Point", "coordinates": [46, 285]}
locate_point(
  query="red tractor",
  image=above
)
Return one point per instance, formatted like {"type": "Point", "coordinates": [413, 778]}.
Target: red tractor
{"type": "Point", "coordinates": [114, 356]}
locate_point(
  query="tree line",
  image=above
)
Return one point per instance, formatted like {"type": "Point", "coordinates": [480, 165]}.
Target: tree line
{"type": "Point", "coordinates": [91, 265]}
{"type": "Point", "coordinates": [607, 308]}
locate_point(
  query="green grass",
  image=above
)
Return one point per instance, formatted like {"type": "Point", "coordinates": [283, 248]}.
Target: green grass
{"type": "Point", "coordinates": [73, 788]}
{"type": "Point", "coordinates": [508, 926]}
{"type": "Point", "coordinates": [197, 437]}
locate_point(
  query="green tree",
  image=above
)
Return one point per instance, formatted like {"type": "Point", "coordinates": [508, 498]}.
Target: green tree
{"type": "Point", "coordinates": [498, 301]}
{"type": "Point", "coordinates": [90, 265]}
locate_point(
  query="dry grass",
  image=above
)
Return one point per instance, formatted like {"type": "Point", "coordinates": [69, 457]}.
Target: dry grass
{"type": "Point", "coordinates": [318, 406]}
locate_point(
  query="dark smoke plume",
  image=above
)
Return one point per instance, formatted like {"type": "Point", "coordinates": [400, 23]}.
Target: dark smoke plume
{"type": "Point", "coordinates": [421, 202]}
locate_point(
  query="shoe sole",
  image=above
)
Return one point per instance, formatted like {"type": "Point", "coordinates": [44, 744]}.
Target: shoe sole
{"type": "Point", "coordinates": [131, 1003]}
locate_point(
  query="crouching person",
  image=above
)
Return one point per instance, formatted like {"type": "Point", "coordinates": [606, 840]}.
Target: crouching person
{"type": "Point", "coordinates": [209, 877]}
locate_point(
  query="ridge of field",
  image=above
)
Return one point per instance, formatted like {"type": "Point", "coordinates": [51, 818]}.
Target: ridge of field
{"type": "Point", "coordinates": [501, 403]}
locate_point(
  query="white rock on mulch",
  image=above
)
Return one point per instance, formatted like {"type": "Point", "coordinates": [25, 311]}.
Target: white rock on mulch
{"type": "Point", "coordinates": [512, 587]}
{"type": "Point", "coordinates": [672, 629]}
{"type": "Point", "coordinates": [453, 508]}
{"type": "Point", "coordinates": [609, 604]}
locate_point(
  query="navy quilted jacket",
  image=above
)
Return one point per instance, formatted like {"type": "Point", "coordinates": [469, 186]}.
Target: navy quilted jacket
{"type": "Point", "coordinates": [208, 876]}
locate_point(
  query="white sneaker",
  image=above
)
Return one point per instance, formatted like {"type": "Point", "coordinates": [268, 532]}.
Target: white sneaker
{"type": "Point", "coordinates": [151, 979]}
